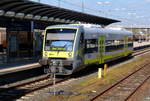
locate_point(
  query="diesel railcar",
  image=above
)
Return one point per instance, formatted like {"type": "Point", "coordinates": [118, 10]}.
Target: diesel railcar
{"type": "Point", "coordinates": [70, 48]}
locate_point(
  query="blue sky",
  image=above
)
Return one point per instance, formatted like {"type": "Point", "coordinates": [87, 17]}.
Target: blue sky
{"type": "Point", "coordinates": [130, 12]}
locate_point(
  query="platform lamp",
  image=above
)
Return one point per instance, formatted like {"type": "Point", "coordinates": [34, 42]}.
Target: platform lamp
{"type": "Point", "coordinates": [37, 17]}
{"type": "Point", "coordinates": [51, 19]}
{"type": "Point", "coordinates": [29, 16]}
{"type": "Point", "coordinates": [57, 20]}
{"type": "Point", "coordinates": [10, 13]}
{"type": "Point", "coordinates": [20, 15]}
{"type": "Point", "coordinates": [2, 12]}
{"type": "Point", "coordinates": [63, 20]}
{"type": "Point", "coordinates": [44, 18]}
{"type": "Point", "coordinates": [67, 21]}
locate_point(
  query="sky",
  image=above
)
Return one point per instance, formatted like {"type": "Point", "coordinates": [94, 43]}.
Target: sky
{"type": "Point", "coordinates": [129, 12]}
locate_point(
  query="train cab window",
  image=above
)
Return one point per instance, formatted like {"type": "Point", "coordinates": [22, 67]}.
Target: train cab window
{"type": "Point", "coordinates": [91, 45]}
{"type": "Point", "coordinates": [59, 39]}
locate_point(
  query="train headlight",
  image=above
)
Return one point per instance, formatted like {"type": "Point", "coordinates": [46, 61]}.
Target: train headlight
{"type": "Point", "coordinates": [45, 54]}
{"type": "Point", "coordinates": [69, 54]}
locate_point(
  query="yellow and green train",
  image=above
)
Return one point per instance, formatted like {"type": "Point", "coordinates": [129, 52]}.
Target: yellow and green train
{"type": "Point", "coordinates": [70, 48]}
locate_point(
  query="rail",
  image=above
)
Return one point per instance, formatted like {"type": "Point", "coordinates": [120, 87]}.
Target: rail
{"type": "Point", "coordinates": [120, 85]}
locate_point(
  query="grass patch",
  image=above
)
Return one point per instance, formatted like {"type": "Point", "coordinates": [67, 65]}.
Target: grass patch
{"type": "Point", "coordinates": [88, 86]}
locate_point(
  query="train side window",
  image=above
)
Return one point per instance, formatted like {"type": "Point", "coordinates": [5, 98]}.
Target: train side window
{"type": "Point", "coordinates": [113, 45]}
{"type": "Point", "coordinates": [130, 42]}
{"type": "Point", "coordinates": [91, 45]}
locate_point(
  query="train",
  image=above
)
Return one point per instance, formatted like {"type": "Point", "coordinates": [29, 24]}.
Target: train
{"type": "Point", "coordinates": [69, 48]}
{"type": "Point", "coordinates": [140, 37]}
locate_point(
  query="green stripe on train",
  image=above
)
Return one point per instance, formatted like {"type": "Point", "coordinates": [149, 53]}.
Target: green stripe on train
{"type": "Point", "coordinates": [90, 61]}
{"type": "Point", "coordinates": [125, 53]}
{"type": "Point", "coordinates": [107, 57]}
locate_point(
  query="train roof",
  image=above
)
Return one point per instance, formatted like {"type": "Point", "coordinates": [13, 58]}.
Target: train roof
{"type": "Point", "coordinates": [110, 31]}
{"type": "Point", "coordinates": [95, 28]}
{"type": "Point", "coordinates": [65, 25]}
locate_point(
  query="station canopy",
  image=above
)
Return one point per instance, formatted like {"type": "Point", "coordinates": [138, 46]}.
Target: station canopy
{"type": "Point", "coordinates": [25, 9]}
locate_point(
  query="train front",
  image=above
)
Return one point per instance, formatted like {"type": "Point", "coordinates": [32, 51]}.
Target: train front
{"type": "Point", "coordinates": [58, 50]}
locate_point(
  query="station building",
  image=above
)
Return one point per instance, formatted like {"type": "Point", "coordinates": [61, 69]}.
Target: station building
{"type": "Point", "coordinates": [22, 23]}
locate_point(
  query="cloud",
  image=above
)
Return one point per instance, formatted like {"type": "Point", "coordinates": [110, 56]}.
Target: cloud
{"type": "Point", "coordinates": [147, 0]}
{"type": "Point", "coordinates": [104, 2]}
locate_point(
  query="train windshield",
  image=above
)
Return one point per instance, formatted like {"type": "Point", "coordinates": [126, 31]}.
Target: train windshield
{"type": "Point", "coordinates": [60, 39]}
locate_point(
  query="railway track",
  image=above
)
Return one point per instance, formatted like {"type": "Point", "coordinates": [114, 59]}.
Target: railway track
{"type": "Point", "coordinates": [126, 87]}
{"type": "Point", "coordinates": [15, 91]}
{"type": "Point", "coordinates": [19, 89]}
{"type": "Point", "coordinates": [141, 51]}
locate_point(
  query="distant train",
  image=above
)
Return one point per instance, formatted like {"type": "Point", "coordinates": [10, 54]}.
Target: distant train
{"type": "Point", "coordinates": [70, 48]}
{"type": "Point", "coordinates": [140, 37]}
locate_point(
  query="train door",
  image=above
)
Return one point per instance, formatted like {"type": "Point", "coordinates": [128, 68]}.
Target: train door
{"type": "Point", "coordinates": [80, 52]}
{"type": "Point", "coordinates": [125, 45]}
{"type": "Point", "coordinates": [101, 41]}
{"type": "Point", "coordinates": [81, 47]}
{"type": "Point", "coordinates": [126, 42]}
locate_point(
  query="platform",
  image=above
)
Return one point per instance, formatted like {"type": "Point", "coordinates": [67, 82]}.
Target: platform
{"type": "Point", "coordinates": [141, 44]}
{"type": "Point", "coordinates": [5, 69]}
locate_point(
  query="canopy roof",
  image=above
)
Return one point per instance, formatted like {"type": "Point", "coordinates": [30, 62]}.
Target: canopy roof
{"type": "Point", "coordinates": [25, 9]}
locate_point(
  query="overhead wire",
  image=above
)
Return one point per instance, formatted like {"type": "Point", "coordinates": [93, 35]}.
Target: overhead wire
{"type": "Point", "coordinates": [76, 5]}
{"type": "Point", "coordinates": [98, 11]}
